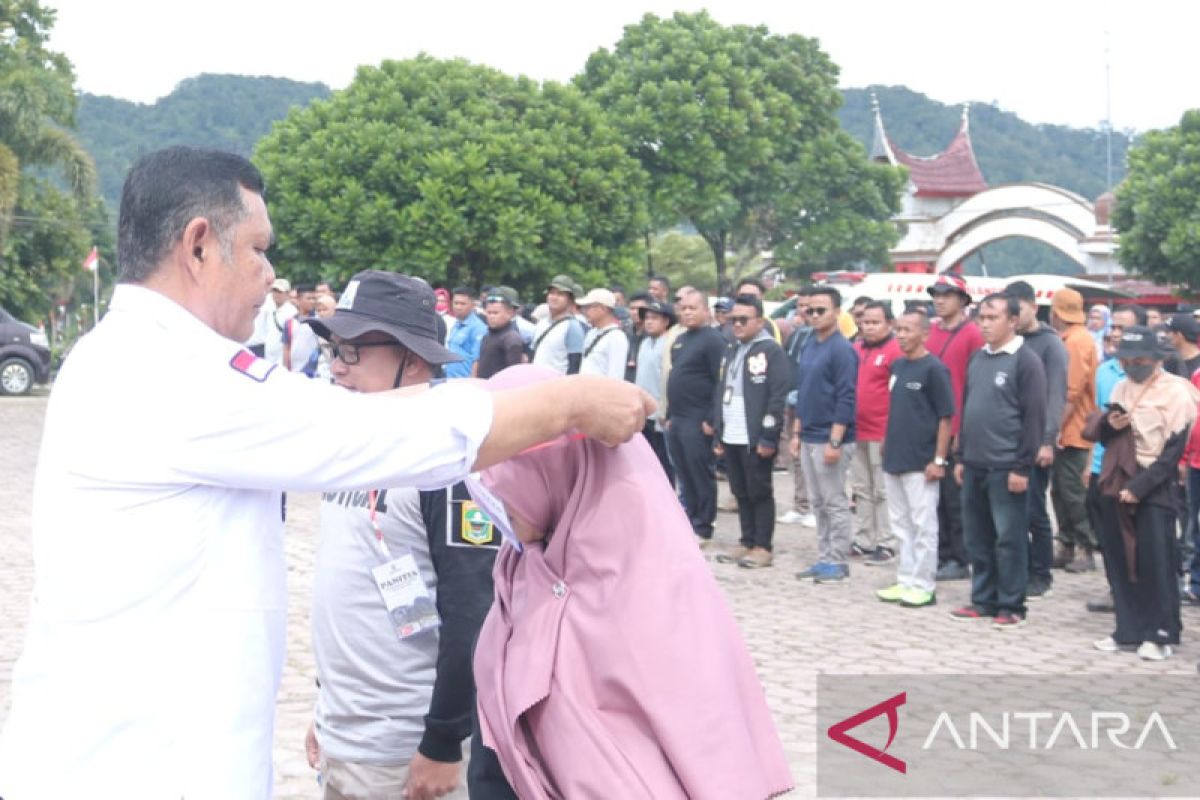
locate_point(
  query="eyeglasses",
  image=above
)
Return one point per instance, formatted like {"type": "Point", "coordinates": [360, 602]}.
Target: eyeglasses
{"type": "Point", "coordinates": [815, 311]}
{"type": "Point", "coordinates": [348, 351]}
{"type": "Point", "coordinates": [741, 320]}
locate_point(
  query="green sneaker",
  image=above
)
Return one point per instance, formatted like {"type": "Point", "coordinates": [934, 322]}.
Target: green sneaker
{"type": "Point", "coordinates": [892, 594]}
{"type": "Point", "coordinates": [915, 598]}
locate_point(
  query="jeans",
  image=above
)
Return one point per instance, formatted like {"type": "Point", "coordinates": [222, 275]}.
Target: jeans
{"type": "Point", "coordinates": [996, 526]}
{"type": "Point", "coordinates": [871, 508]}
{"type": "Point", "coordinates": [751, 483]}
{"type": "Point", "coordinates": [1041, 534]}
{"type": "Point", "coordinates": [827, 488]}
{"type": "Point", "coordinates": [912, 505]}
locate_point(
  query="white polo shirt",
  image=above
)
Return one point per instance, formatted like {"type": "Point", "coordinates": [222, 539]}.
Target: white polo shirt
{"type": "Point", "coordinates": [156, 637]}
{"type": "Point", "coordinates": [605, 352]}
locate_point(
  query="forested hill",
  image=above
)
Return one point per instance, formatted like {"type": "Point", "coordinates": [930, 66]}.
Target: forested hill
{"type": "Point", "coordinates": [233, 111]}
{"type": "Point", "coordinates": [1007, 148]}
{"type": "Point", "coordinates": [230, 112]}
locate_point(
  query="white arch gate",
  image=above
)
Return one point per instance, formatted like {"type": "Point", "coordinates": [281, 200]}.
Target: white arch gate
{"type": "Point", "coordinates": [1052, 215]}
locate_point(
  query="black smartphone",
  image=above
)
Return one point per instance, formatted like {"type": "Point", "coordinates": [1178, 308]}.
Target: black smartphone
{"type": "Point", "coordinates": [1117, 407]}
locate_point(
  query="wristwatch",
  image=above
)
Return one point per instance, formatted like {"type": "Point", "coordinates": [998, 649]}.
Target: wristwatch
{"type": "Point", "coordinates": [835, 443]}
{"type": "Point", "coordinates": [938, 461]}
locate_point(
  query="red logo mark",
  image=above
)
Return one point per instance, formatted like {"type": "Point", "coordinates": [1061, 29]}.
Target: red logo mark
{"type": "Point", "coordinates": [838, 731]}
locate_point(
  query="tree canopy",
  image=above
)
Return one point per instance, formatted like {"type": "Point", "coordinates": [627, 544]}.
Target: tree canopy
{"type": "Point", "coordinates": [1158, 205]}
{"type": "Point", "coordinates": [47, 180]}
{"type": "Point", "coordinates": [737, 129]}
{"type": "Point", "coordinates": [457, 173]}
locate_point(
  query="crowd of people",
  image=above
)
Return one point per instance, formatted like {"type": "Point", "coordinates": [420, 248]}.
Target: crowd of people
{"type": "Point", "coordinates": [505, 535]}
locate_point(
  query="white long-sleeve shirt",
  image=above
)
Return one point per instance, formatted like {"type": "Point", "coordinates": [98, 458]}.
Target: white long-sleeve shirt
{"type": "Point", "coordinates": [156, 637]}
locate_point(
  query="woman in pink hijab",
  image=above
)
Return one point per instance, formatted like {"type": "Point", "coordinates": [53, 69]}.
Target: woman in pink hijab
{"type": "Point", "coordinates": [443, 300]}
{"type": "Point", "coordinates": [610, 665]}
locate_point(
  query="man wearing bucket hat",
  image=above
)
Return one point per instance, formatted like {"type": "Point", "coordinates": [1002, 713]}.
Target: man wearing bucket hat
{"type": "Point", "coordinates": [558, 340]}
{"type": "Point", "coordinates": [657, 318]}
{"type": "Point", "coordinates": [953, 338]}
{"type": "Point", "coordinates": [394, 687]}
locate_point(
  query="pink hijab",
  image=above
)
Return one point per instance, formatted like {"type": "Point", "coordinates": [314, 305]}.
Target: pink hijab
{"type": "Point", "coordinates": [610, 664]}
{"type": "Point", "coordinates": [443, 300]}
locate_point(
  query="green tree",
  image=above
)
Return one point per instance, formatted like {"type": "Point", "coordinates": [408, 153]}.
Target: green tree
{"type": "Point", "coordinates": [37, 104]}
{"type": "Point", "coordinates": [737, 129]}
{"type": "Point", "coordinates": [457, 173]}
{"type": "Point", "coordinates": [1158, 205]}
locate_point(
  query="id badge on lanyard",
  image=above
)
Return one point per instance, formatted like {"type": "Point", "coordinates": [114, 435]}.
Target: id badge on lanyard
{"type": "Point", "coordinates": [401, 587]}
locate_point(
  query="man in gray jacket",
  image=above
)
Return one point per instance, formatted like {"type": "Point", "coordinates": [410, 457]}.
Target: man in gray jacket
{"type": "Point", "coordinates": [1045, 342]}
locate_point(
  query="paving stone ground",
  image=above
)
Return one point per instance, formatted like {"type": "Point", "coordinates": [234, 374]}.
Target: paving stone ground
{"type": "Point", "coordinates": [795, 630]}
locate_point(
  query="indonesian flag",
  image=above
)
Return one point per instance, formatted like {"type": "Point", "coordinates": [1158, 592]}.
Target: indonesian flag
{"type": "Point", "coordinates": [92, 261]}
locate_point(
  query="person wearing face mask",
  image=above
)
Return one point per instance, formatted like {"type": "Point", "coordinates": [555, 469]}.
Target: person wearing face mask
{"type": "Point", "coordinates": [1144, 432]}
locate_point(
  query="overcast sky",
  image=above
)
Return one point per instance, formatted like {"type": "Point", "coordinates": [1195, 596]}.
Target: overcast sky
{"type": "Point", "coordinates": [1042, 59]}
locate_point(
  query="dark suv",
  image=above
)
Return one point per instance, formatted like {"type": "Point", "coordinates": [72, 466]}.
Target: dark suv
{"type": "Point", "coordinates": [24, 355]}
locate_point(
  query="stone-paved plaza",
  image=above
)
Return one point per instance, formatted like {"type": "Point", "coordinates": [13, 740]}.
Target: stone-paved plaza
{"type": "Point", "coordinates": [795, 630]}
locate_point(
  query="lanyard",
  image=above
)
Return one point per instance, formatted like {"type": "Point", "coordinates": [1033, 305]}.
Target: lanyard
{"type": "Point", "coordinates": [372, 497]}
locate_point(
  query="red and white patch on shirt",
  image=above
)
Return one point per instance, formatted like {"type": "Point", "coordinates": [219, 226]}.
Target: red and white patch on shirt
{"type": "Point", "coordinates": [251, 365]}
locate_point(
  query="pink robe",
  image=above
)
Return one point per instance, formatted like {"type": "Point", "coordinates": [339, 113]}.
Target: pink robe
{"type": "Point", "coordinates": [610, 665]}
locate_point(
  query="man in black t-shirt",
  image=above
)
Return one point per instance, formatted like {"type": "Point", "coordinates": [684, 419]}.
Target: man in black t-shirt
{"type": "Point", "coordinates": [914, 460]}
{"type": "Point", "coordinates": [695, 365]}
{"type": "Point", "coordinates": [502, 345]}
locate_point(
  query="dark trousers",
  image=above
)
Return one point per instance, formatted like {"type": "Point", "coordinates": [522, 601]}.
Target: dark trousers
{"type": "Point", "coordinates": [695, 472]}
{"type": "Point", "coordinates": [996, 528]}
{"type": "Point", "coordinates": [1070, 498]}
{"type": "Point", "coordinates": [1147, 609]}
{"type": "Point", "coordinates": [951, 546]}
{"type": "Point", "coordinates": [658, 443]}
{"type": "Point", "coordinates": [1041, 534]}
{"type": "Point", "coordinates": [750, 481]}
{"type": "Point", "coordinates": [1193, 527]}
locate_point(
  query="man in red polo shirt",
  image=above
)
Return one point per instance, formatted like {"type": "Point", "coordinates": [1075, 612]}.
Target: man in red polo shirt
{"type": "Point", "coordinates": [954, 339]}
{"type": "Point", "coordinates": [877, 349]}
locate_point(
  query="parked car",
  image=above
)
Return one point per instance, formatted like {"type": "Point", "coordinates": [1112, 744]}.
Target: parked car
{"type": "Point", "coordinates": [24, 355]}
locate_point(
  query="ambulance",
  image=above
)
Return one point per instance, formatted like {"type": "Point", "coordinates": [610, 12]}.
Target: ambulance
{"type": "Point", "coordinates": [902, 287]}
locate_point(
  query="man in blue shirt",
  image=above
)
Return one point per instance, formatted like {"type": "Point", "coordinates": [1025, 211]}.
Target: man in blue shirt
{"type": "Point", "coordinates": [823, 432]}
{"type": "Point", "coordinates": [466, 333]}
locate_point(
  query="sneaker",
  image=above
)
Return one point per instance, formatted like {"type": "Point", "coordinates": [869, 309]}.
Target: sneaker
{"type": "Point", "coordinates": [969, 613]}
{"type": "Point", "coordinates": [1084, 562]}
{"type": "Point", "coordinates": [733, 555]}
{"type": "Point", "coordinates": [891, 594]}
{"type": "Point", "coordinates": [790, 517]}
{"type": "Point", "coordinates": [808, 520]}
{"type": "Point", "coordinates": [832, 573]}
{"type": "Point", "coordinates": [1152, 651]}
{"type": "Point", "coordinates": [1106, 645]}
{"type": "Point", "coordinates": [757, 558]}
{"type": "Point", "coordinates": [881, 556]}
{"type": "Point", "coordinates": [704, 542]}
{"type": "Point", "coordinates": [811, 572]}
{"type": "Point", "coordinates": [1008, 619]}
{"type": "Point", "coordinates": [1064, 556]}
{"type": "Point", "coordinates": [858, 551]}
{"type": "Point", "coordinates": [1191, 597]}
{"type": "Point", "coordinates": [1038, 590]}
{"type": "Point", "coordinates": [917, 598]}
{"type": "Point", "coordinates": [953, 571]}
{"type": "Point", "coordinates": [1104, 606]}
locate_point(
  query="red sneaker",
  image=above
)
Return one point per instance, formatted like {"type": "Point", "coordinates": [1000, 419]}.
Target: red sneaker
{"type": "Point", "coordinates": [1008, 619]}
{"type": "Point", "coordinates": [969, 612]}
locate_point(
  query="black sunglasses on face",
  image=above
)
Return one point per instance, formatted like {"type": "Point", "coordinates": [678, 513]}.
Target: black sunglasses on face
{"type": "Point", "coordinates": [348, 351]}
{"type": "Point", "coordinates": [815, 312]}
{"type": "Point", "coordinates": [741, 320]}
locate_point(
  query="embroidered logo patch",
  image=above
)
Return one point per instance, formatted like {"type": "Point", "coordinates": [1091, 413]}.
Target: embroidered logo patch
{"type": "Point", "coordinates": [1001, 378]}
{"type": "Point", "coordinates": [757, 364]}
{"type": "Point", "coordinates": [251, 365]}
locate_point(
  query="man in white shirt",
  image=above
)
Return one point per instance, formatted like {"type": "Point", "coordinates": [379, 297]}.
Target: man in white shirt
{"type": "Point", "coordinates": [300, 346]}
{"type": "Point", "coordinates": [282, 310]}
{"type": "Point", "coordinates": [605, 347]}
{"type": "Point", "coordinates": [156, 636]}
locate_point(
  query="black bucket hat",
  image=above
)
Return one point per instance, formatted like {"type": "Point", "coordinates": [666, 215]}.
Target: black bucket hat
{"type": "Point", "coordinates": [1139, 342]}
{"type": "Point", "coordinates": [400, 306]}
{"type": "Point", "coordinates": [658, 307]}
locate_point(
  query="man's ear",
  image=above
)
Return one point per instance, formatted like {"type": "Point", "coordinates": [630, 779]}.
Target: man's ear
{"type": "Point", "coordinates": [197, 244]}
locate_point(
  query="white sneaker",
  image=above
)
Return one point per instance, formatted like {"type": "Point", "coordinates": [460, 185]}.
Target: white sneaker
{"type": "Point", "coordinates": [1152, 651]}
{"type": "Point", "coordinates": [1106, 645]}
{"type": "Point", "coordinates": [790, 517]}
{"type": "Point", "coordinates": [808, 520]}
